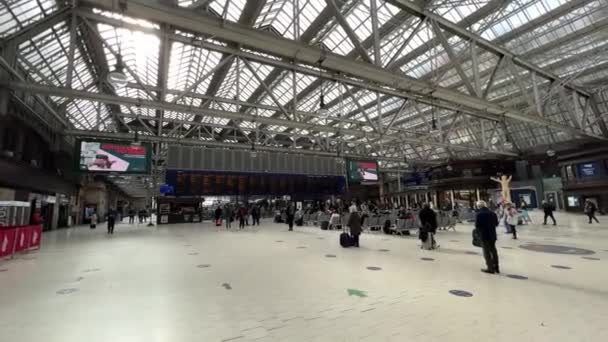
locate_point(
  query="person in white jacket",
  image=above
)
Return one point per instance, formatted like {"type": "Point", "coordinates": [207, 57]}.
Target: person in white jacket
{"type": "Point", "coordinates": [512, 218]}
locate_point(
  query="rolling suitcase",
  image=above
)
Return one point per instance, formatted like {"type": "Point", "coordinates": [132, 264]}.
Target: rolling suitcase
{"type": "Point", "coordinates": [346, 240]}
{"type": "Point", "coordinates": [218, 222]}
{"type": "Point", "coordinates": [325, 225]}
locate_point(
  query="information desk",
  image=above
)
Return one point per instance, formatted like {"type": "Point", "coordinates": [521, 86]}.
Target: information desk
{"type": "Point", "coordinates": [179, 210]}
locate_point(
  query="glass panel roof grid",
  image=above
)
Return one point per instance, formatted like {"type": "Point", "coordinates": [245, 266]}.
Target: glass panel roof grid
{"type": "Point", "coordinates": [393, 41]}
{"type": "Point", "coordinates": [188, 64]}
{"type": "Point", "coordinates": [83, 114]}
{"type": "Point", "coordinates": [337, 41]}
{"type": "Point", "coordinates": [16, 14]}
{"type": "Point", "coordinates": [139, 52]}
{"type": "Point", "coordinates": [233, 12]}
{"type": "Point", "coordinates": [279, 15]}
{"type": "Point", "coordinates": [248, 82]}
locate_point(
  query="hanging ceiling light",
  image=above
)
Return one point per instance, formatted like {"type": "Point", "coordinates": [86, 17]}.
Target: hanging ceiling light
{"type": "Point", "coordinates": [323, 112]}
{"type": "Point", "coordinates": [253, 152]}
{"type": "Point", "coordinates": [508, 145]}
{"type": "Point", "coordinates": [434, 128]}
{"type": "Point", "coordinates": [117, 77]}
{"type": "Point", "coordinates": [551, 152]}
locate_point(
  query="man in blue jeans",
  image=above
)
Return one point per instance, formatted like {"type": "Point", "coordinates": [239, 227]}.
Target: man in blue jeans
{"type": "Point", "coordinates": [485, 224]}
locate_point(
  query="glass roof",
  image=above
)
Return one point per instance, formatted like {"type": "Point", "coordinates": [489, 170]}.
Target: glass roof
{"type": "Point", "coordinates": [563, 37]}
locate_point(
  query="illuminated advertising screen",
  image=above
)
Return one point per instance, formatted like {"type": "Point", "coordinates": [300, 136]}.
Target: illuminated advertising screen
{"type": "Point", "coordinates": [120, 157]}
{"type": "Point", "coordinates": [362, 171]}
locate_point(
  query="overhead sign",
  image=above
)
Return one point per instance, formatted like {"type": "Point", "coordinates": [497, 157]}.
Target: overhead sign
{"type": "Point", "coordinates": [587, 169]}
{"type": "Point", "coordinates": [120, 157]}
{"type": "Point", "coordinates": [362, 171]}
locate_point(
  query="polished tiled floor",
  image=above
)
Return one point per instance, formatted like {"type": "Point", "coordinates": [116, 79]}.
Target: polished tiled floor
{"type": "Point", "coordinates": [198, 283]}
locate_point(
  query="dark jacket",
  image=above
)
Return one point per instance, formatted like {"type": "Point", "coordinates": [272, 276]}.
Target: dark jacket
{"type": "Point", "coordinates": [354, 223]}
{"type": "Point", "coordinates": [548, 208]}
{"type": "Point", "coordinates": [486, 223]}
{"type": "Point", "coordinates": [428, 218]}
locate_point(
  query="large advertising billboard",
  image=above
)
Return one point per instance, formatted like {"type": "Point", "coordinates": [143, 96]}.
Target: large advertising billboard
{"type": "Point", "coordinates": [109, 156]}
{"type": "Point", "coordinates": [362, 171]}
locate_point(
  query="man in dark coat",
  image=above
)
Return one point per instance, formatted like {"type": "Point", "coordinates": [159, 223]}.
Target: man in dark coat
{"type": "Point", "coordinates": [354, 224]}
{"type": "Point", "coordinates": [428, 222]}
{"type": "Point", "coordinates": [485, 224]}
{"type": "Point", "coordinates": [548, 208]}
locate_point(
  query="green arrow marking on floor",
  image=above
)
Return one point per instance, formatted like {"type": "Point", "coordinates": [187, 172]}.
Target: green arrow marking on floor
{"type": "Point", "coordinates": [358, 293]}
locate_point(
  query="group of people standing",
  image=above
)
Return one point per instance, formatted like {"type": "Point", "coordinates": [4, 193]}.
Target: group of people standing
{"type": "Point", "coordinates": [242, 212]}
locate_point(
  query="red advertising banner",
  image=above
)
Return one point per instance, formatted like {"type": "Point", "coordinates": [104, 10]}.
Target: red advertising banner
{"type": "Point", "coordinates": [35, 236]}
{"type": "Point", "coordinates": [7, 241]}
{"type": "Point", "coordinates": [23, 239]}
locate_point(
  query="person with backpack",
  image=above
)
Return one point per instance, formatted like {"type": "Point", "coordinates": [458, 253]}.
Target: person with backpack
{"type": "Point", "coordinates": [590, 209]}
{"type": "Point", "coordinates": [354, 225]}
{"type": "Point", "coordinates": [428, 223]}
{"type": "Point", "coordinates": [548, 208]}
{"type": "Point", "coordinates": [512, 217]}
{"type": "Point", "coordinates": [291, 215]}
{"type": "Point", "coordinates": [486, 222]}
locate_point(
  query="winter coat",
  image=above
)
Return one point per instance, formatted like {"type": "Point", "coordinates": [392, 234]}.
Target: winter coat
{"type": "Point", "coordinates": [354, 223]}
{"type": "Point", "coordinates": [428, 220]}
{"type": "Point", "coordinates": [486, 223]}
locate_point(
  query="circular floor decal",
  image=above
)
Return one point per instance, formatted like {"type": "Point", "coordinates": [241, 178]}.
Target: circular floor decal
{"type": "Point", "coordinates": [3, 270]}
{"type": "Point", "coordinates": [590, 258]}
{"type": "Point", "coordinates": [374, 268]}
{"type": "Point", "coordinates": [91, 270]}
{"type": "Point", "coordinates": [555, 249]}
{"type": "Point", "coordinates": [193, 253]}
{"type": "Point", "coordinates": [330, 256]}
{"type": "Point", "coordinates": [203, 266]}
{"type": "Point", "coordinates": [454, 241]}
{"type": "Point", "coordinates": [461, 293]}
{"type": "Point", "coordinates": [427, 259]}
{"type": "Point", "coordinates": [384, 250]}
{"type": "Point", "coordinates": [515, 276]}
{"type": "Point", "coordinates": [321, 238]}
{"type": "Point", "coordinates": [279, 241]}
{"type": "Point", "coordinates": [301, 247]}
{"type": "Point", "coordinates": [507, 247]}
{"type": "Point", "coordinates": [561, 267]}
{"type": "Point", "coordinates": [471, 253]}
{"type": "Point", "coordinates": [66, 291]}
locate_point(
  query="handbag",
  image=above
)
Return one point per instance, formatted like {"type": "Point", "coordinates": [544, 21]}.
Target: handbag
{"type": "Point", "coordinates": [476, 238]}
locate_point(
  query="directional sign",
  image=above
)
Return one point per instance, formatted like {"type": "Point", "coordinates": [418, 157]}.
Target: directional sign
{"type": "Point", "coordinates": [358, 293]}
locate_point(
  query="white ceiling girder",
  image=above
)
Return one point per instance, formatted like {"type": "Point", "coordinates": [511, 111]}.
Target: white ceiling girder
{"type": "Point", "coordinates": [161, 105]}
{"type": "Point", "coordinates": [261, 41]}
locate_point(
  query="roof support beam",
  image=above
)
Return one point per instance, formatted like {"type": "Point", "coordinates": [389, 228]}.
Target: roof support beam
{"type": "Point", "coordinates": [463, 33]}
{"type": "Point", "coordinates": [38, 27]}
{"type": "Point", "coordinates": [161, 105]}
{"type": "Point", "coordinates": [285, 48]}
{"type": "Point", "coordinates": [349, 31]}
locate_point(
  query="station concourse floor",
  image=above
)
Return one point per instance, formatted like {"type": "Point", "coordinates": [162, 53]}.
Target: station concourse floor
{"type": "Point", "coordinates": [195, 282]}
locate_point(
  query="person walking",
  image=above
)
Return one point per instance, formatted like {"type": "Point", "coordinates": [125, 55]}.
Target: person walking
{"type": "Point", "coordinates": [428, 223]}
{"type": "Point", "coordinates": [218, 216]}
{"type": "Point", "coordinates": [93, 220]}
{"type": "Point", "coordinates": [131, 216]}
{"type": "Point", "coordinates": [590, 209]}
{"type": "Point", "coordinates": [242, 216]}
{"type": "Point", "coordinates": [486, 222]}
{"type": "Point", "coordinates": [512, 218]}
{"type": "Point", "coordinates": [291, 214]}
{"type": "Point", "coordinates": [354, 225]}
{"type": "Point", "coordinates": [111, 221]}
{"type": "Point", "coordinates": [255, 215]}
{"type": "Point", "coordinates": [548, 208]}
{"type": "Point", "coordinates": [525, 216]}
{"type": "Point", "coordinates": [228, 215]}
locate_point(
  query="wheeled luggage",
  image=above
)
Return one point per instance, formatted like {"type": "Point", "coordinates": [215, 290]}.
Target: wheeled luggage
{"type": "Point", "coordinates": [346, 240]}
{"type": "Point", "coordinates": [325, 225]}
{"type": "Point", "coordinates": [218, 222]}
